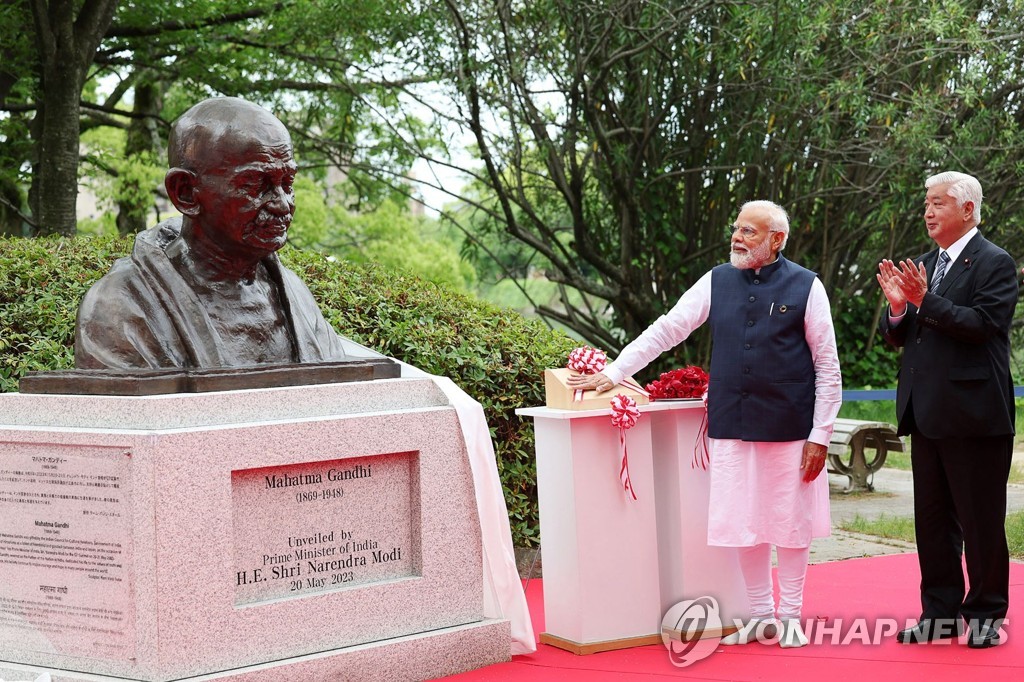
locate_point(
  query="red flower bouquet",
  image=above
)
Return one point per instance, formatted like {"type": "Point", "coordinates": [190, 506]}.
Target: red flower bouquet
{"type": "Point", "coordinates": [688, 382]}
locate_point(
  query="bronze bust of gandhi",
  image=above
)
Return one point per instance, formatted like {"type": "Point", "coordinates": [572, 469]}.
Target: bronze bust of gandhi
{"type": "Point", "coordinates": [207, 290]}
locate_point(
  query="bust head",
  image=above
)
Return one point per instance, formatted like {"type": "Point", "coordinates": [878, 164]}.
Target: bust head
{"type": "Point", "coordinates": [231, 175]}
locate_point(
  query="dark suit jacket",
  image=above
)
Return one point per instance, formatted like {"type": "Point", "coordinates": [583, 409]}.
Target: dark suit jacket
{"type": "Point", "coordinates": [955, 371]}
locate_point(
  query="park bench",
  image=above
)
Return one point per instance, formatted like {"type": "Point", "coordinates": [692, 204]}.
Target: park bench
{"type": "Point", "coordinates": [858, 449]}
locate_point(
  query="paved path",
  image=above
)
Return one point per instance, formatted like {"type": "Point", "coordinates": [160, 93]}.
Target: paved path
{"type": "Point", "coordinates": [893, 496]}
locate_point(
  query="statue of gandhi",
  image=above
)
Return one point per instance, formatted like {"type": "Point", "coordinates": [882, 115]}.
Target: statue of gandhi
{"type": "Point", "coordinates": [207, 289]}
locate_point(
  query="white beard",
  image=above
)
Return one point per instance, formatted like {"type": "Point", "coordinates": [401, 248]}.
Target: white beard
{"type": "Point", "coordinates": [751, 259]}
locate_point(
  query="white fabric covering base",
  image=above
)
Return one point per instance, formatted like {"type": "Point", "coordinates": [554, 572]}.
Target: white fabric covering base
{"type": "Point", "coordinates": [503, 590]}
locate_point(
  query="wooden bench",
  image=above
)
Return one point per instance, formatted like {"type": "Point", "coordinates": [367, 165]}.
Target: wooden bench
{"type": "Point", "coordinates": [846, 452]}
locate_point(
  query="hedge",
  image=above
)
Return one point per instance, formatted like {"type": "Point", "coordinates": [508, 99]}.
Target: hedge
{"type": "Point", "coordinates": [495, 355]}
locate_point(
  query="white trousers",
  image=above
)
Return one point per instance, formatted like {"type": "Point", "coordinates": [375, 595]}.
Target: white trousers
{"type": "Point", "coordinates": [756, 565]}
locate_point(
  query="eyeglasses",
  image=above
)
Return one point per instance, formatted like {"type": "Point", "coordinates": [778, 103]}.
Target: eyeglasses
{"type": "Point", "coordinates": [747, 232]}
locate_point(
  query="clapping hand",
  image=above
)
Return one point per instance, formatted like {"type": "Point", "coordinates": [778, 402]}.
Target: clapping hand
{"type": "Point", "coordinates": [902, 283]}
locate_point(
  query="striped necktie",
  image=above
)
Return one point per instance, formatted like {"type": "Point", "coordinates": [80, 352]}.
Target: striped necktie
{"type": "Point", "coordinates": [940, 271]}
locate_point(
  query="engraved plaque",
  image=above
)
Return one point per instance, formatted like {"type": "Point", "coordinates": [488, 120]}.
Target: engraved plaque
{"type": "Point", "coordinates": [65, 546]}
{"type": "Point", "coordinates": [314, 527]}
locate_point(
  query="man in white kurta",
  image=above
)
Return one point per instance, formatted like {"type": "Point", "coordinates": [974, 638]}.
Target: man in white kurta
{"type": "Point", "coordinates": [774, 395]}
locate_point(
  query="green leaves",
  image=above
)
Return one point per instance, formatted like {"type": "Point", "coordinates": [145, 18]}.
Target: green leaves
{"type": "Point", "coordinates": [640, 130]}
{"type": "Point", "coordinates": [41, 282]}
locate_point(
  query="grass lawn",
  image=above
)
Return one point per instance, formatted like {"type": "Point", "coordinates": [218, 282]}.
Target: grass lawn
{"type": "Point", "coordinates": [898, 460]}
{"type": "Point", "coordinates": [885, 526]}
{"type": "Point", "coordinates": [902, 528]}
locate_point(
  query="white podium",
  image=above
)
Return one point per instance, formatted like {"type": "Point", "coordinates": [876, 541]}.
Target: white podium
{"type": "Point", "coordinates": [613, 565]}
{"type": "Point", "coordinates": [689, 567]}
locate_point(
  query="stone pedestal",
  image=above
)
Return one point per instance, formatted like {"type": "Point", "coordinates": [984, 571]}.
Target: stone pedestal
{"type": "Point", "coordinates": [313, 532]}
{"type": "Point", "coordinates": [613, 566]}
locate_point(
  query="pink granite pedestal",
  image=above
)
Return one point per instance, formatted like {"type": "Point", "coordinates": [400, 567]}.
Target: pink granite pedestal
{"type": "Point", "coordinates": [313, 532]}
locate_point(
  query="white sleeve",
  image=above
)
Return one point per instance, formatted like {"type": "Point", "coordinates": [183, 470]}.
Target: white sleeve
{"type": "Point", "coordinates": [828, 380]}
{"type": "Point", "coordinates": [667, 332]}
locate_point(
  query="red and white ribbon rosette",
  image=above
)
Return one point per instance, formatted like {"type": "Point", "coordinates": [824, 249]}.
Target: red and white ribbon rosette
{"type": "Point", "coordinates": [624, 415]}
{"type": "Point", "coordinates": [586, 360]}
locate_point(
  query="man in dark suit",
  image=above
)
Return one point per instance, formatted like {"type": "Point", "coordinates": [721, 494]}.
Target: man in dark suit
{"type": "Point", "coordinates": [950, 311]}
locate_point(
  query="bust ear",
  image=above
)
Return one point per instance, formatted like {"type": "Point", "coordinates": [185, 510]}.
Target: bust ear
{"type": "Point", "coordinates": [181, 187]}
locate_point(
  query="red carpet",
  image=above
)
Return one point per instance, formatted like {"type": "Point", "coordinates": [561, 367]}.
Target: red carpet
{"type": "Point", "coordinates": [878, 589]}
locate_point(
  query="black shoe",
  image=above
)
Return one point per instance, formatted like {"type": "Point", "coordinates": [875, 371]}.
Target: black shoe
{"type": "Point", "coordinates": [984, 637]}
{"type": "Point", "coordinates": [930, 629]}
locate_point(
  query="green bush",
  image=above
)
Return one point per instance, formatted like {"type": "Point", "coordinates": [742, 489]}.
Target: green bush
{"type": "Point", "coordinates": [495, 355]}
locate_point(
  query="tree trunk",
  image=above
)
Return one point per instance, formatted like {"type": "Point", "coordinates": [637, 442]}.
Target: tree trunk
{"type": "Point", "coordinates": [67, 43]}
{"type": "Point", "coordinates": [10, 206]}
{"type": "Point", "coordinates": [54, 192]}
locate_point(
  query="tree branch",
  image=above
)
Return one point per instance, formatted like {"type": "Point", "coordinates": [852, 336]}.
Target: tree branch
{"type": "Point", "coordinates": [172, 25]}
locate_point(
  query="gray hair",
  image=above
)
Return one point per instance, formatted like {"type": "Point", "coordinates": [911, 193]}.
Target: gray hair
{"type": "Point", "coordinates": [778, 219]}
{"type": "Point", "coordinates": [962, 187]}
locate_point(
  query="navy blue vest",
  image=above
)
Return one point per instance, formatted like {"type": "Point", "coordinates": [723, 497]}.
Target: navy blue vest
{"type": "Point", "coordinates": [762, 375]}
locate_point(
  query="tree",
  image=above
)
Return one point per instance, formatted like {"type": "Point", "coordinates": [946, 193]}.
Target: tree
{"type": "Point", "coordinates": [327, 68]}
{"type": "Point", "coordinates": [67, 34]}
{"type": "Point", "coordinates": [15, 57]}
{"type": "Point", "coordinates": [389, 236]}
{"type": "Point", "coordinates": [631, 131]}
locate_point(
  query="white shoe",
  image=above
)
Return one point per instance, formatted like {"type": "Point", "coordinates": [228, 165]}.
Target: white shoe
{"type": "Point", "coordinates": [749, 632]}
{"type": "Point", "coordinates": [792, 634]}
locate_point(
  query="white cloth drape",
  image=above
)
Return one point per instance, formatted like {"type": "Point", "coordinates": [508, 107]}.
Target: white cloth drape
{"type": "Point", "coordinates": [503, 590]}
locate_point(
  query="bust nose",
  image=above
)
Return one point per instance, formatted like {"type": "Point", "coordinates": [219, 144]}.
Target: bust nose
{"type": "Point", "coordinates": [282, 202]}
